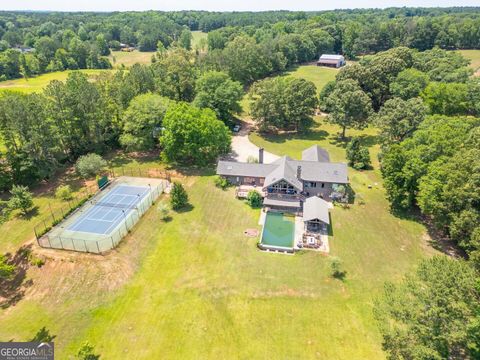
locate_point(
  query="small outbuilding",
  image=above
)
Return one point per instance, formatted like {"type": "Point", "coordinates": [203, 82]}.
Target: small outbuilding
{"type": "Point", "coordinates": [330, 60]}
{"type": "Point", "coordinates": [315, 213]}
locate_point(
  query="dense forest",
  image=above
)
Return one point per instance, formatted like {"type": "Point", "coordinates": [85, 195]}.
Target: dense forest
{"type": "Point", "coordinates": [32, 43]}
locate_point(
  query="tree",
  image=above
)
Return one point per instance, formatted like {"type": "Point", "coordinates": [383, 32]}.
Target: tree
{"type": "Point", "coordinates": [21, 198]}
{"type": "Point", "coordinates": [446, 98]}
{"type": "Point", "coordinates": [87, 352]}
{"type": "Point", "coordinates": [6, 270]}
{"type": "Point", "coordinates": [43, 335]}
{"type": "Point", "coordinates": [175, 75]}
{"type": "Point", "coordinates": [90, 165]}
{"type": "Point", "coordinates": [404, 164]}
{"type": "Point", "coordinates": [409, 84]}
{"type": "Point", "coordinates": [398, 119]}
{"type": "Point", "coordinates": [254, 199]}
{"type": "Point", "coordinates": [178, 196]}
{"type": "Point", "coordinates": [283, 103]}
{"type": "Point", "coordinates": [142, 122]}
{"type": "Point", "coordinates": [245, 61]}
{"type": "Point", "coordinates": [450, 194]}
{"type": "Point", "coordinates": [194, 136]}
{"type": "Point", "coordinates": [357, 155]}
{"type": "Point", "coordinates": [215, 90]}
{"type": "Point", "coordinates": [349, 106]}
{"type": "Point", "coordinates": [64, 192]}
{"type": "Point", "coordinates": [433, 313]}
{"type": "Point", "coordinates": [185, 39]}
{"type": "Point", "coordinates": [337, 269]}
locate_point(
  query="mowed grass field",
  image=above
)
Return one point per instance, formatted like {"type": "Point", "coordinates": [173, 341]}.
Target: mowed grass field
{"type": "Point", "coordinates": [127, 59]}
{"type": "Point", "coordinates": [38, 83]}
{"type": "Point", "coordinates": [474, 57]}
{"type": "Point", "coordinates": [195, 287]}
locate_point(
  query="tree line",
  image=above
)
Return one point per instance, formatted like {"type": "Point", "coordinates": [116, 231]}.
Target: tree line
{"type": "Point", "coordinates": [280, 38]}
{"type": "Point", "coordinates": [425, 105]}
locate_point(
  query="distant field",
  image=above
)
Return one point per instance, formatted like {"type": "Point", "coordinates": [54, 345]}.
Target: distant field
{"type": "Point", "coordinates": [38, 83]}
{"type": "Point", "coordinates": [197, 36]}
{"type": "Point", "coordinates": [319, 75]}
{"type": "Point", "coordinates": [118, 58]}
{"type": "Point", "coordinates": [474, 57]}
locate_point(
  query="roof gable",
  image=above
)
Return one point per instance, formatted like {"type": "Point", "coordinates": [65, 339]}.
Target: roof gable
{"type": "Point", "coordinates": [284, 171]}
{"type": "Point", "coordinates": [315, 208]}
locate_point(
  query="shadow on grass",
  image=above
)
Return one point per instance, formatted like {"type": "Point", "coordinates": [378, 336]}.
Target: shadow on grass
{"type": "Point", "coordinates": [12, 290]}
{"type": "Point", "coordinates": [365, 140]}
{"type": "Point", "coordinates": [29, 214]}
{"type": "Point", "coordinates": [438, 238]}
{"type": "Point", "coordinates": [313, 135]}
{"type": "Point", "coordinates": [330, 226]}
{"type": "Point", "coordinates": [184, 209]}
{"type": "Point", "coordinates": [43, 335]}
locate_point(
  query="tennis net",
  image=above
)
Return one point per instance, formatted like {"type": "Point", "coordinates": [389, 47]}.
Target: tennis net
{"type": "Point", "coordinates": [113, 205]}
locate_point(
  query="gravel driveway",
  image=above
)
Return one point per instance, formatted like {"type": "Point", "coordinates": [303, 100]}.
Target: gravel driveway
{"type": "Point", "coordinates": [242, 147]}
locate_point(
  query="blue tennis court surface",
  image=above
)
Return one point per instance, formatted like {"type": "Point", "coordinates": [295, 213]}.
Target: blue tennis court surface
{"type": "Point", "coordinates": [111, 210]}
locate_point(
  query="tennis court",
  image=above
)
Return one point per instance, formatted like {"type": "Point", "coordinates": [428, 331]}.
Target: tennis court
{"type": "Point", "coordinates": [110, 211]}
{"type": "Point", "coordinates": [101, 223]}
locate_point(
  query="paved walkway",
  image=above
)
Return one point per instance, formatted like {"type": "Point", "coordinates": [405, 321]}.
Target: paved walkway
{"type": "Point", "coordinates": [242, 147]}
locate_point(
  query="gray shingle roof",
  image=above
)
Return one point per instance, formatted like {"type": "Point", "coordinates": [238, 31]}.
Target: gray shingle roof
{"type": "Point", "coordinates": [232, 168]}
{"type": "Point", "coordinates": [284, 171]}
{"type": "Point", "coordinates": [315, 153]}
{"type": "Point", "coordinates": [315, 208]}
{"type": "Point", "coordinates": [286, 168]}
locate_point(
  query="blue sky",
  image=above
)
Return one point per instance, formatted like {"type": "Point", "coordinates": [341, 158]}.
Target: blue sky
{"type": "Point", "coordinates": [218, 5]}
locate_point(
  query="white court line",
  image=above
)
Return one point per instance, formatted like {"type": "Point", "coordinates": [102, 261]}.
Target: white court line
{"type": "Point", "coordinates": [97, 208]}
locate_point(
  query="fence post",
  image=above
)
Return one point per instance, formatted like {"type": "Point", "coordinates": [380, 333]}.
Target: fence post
{"type": "Point", "coordinates": [98, 248]}
{"type": "Point", "coordinates": [73, 244]}
{"type": "Point", "coordinates": [61, 242]}
{"type": "Point", "coordinates": [113, 244]}
{"type": "Point", "coordinates": [51, 212]}
{"type": "Point", "coordinates": [35, 231]}
{"type": "Point", "coordinates": [49, 243]}
{"type": "Point", "coordinates": [85, 244]}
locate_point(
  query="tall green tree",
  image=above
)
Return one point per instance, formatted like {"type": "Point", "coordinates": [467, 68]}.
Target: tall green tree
{"type": "Point", "coordinates": [349, 106]}
{"type": "Point", "coordinates": [409, 84]}
{"type": "Point", "coordinates": [142, 122]}
{"type": "Point", "coordinates": [193, 136]}
{"type": "Point", "coordinates": [398, 119]}
{"type": "Point", "coordinates": [215, 90]}
{"type": "Point", "coordinates": [433, 313]}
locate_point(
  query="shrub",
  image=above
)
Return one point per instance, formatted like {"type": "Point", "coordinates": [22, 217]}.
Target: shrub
{"type": "Point", "coordinates": [6, 270]}
{"type": "Point", "coordinates": [337, 269]}
{"type": "Point", "coordinates": [178, 196]}
{"type": "Point", "coordinates": [221, 182]}
{"type": "Point", "coordinates": [64, 192]}
{"type": "Point", "coordinates": [90, 165]}
{"type": "Point", "coordinates": [357, 155]}
{"type": "Point", "coordinates": [254, 199]}
{"type": "Point", "coordinates": [86, 352]}
{"type": "Point", "coordinates": [164, 211]}
{"type": "Point", "coordinates": [21, 199]}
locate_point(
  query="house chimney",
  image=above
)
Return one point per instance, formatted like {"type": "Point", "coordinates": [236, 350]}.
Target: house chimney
{"type": "Point", "coordinates": [299, 172]}
{"type": "Point", "coordinates": [260, 155]}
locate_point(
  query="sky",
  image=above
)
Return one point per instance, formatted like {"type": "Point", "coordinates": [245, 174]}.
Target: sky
{"type": "Point", "coordinates": [219, 5]}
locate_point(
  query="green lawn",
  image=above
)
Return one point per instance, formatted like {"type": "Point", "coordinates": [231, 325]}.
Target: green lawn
{"type": "Point", "coordinates": [195, 287]}
{"type": "Point", "coordinates": [38, 83]}
{"type": "Point", "coordinates": [474, 57]}
{"type": "Point", "coordinates": [319, 75]}
{"type": "Point", "coordinates": [119, 58]}
{"type": "Point", "coordinates": [197, 36]}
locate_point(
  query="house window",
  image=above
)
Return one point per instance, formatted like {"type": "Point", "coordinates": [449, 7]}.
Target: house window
{"type": "Point", "coordinates": [323, 185]}
{"type": "Point", "coordinates": [249, 180]}
{"type": "Point", "coordinates": [312, 184]}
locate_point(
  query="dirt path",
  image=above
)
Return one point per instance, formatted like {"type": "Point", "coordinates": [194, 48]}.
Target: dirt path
{"type": "Point", "coordinates": [242, 147]}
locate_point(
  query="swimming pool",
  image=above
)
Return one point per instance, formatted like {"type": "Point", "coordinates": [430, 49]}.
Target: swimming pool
{"type": "Point", "coordinates": [278, 232]}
